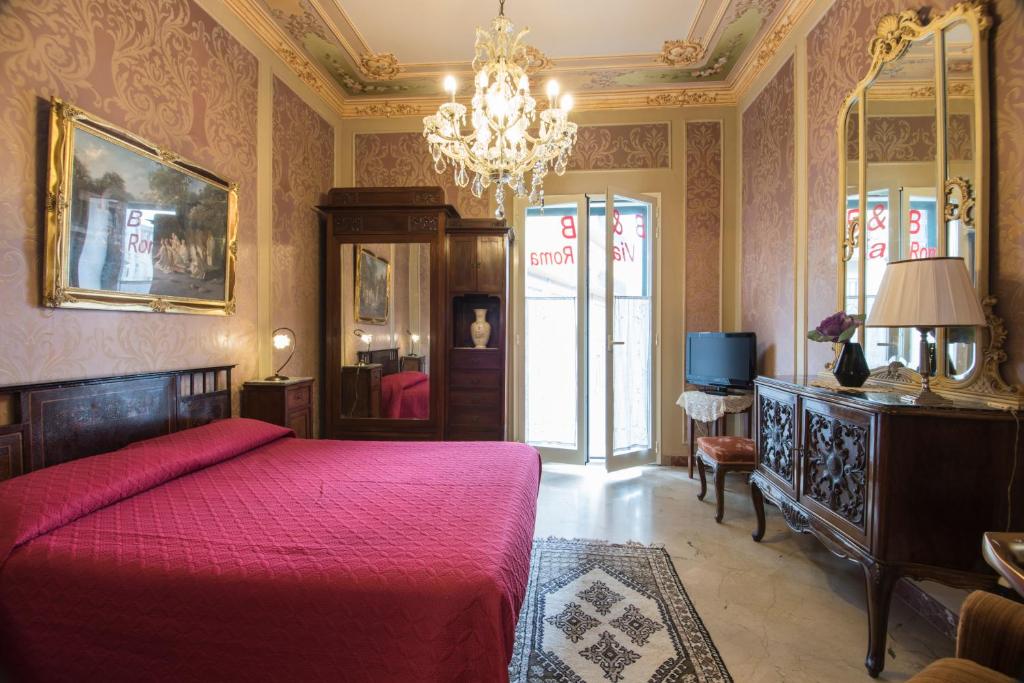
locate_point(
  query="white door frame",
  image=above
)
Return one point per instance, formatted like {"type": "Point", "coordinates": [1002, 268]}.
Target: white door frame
{"type": "Point", "coordinates": [517, 359]}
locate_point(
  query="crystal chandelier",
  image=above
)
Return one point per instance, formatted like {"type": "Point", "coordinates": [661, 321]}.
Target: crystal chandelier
{"type": "Point", "coordinates": [503, 146]}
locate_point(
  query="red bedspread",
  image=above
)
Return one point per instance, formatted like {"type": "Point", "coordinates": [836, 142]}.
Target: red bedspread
{"type": "Point", "coordinates": [406, 395]}
{"type": "Point", "coordinates": [227, 553]}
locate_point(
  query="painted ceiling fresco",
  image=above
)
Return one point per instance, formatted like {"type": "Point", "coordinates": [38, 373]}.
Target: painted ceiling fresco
{"type": "Point", "coordinates": [703, 41]}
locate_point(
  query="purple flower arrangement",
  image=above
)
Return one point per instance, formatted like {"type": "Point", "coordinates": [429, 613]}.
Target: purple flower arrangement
{"type": "Point", "coordinates": [837, 328]}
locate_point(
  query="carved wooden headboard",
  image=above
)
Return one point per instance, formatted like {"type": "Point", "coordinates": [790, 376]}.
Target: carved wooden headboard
{"type": "Point", "coordinates": [386, 357]}
{"type": "Point", "coordinates": [54, 422]}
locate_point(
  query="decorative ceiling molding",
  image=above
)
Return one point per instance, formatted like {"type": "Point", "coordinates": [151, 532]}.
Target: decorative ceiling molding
{"type": "Point", "coordinates": [680, 53]}
{"type": "Point", "coordinates": [382, 67]}
{"type": "Point", "coordinates": [389, 109]}
{"type": "Point", "coordinates": [792, 13]}
{"type": "Point", "coordinates": [603, 89]}
{"type": "Point", "coordinates": [536, 61]}
{"type": "Point", "coordinates": [269, 31]}
{"type": "Point", "coordinates": [683, 98]}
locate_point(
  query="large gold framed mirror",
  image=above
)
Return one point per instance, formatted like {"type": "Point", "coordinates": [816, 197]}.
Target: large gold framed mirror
{"type": "Point", "coordinates": [913, 176]}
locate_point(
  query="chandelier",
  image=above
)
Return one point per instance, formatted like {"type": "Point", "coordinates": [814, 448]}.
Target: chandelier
{"type": "Point", "coordinates": [503, 145]}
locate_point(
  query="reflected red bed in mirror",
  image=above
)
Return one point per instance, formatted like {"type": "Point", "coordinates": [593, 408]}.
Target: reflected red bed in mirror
{"type": "Point", "coordinates": [405, 395]}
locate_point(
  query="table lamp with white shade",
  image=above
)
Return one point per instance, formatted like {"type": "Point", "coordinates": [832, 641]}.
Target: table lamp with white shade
{"type": "Point", "coordinates": [925, 294]}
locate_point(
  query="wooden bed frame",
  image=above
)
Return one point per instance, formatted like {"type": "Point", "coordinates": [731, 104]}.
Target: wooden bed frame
{"type": "Point", "coordinates": [53, 422]}
{"type": "Point", "coordinates": [388, 358]}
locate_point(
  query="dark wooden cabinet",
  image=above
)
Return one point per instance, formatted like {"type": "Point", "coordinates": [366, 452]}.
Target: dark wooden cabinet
{"type": "Point", "coordinates": [904, 490]}
{"type": "Point", "coordinates": [360, 389]}
{"type": "Point", "coordinates": [477, 261]}
{"type": "Point", "coordinates": [468, 271]}
{"type": "Point", "coordinates": [288, 403]}
{"type": "Point", "coordinates": [478, 280]}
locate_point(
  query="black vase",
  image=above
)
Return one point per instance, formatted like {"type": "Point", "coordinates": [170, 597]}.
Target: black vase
{"type": "Point", "coordinates": [851, 368]}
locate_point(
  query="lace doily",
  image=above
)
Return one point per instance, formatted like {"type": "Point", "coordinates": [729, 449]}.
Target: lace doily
{"type": "Point", "coordinates": [709, 407]}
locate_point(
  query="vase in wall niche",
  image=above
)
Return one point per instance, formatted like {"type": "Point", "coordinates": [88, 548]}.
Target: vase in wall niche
{"type": "Point", "coordinates": [851, 369]}
{"type": "Point", "coordinates": [480, 330]}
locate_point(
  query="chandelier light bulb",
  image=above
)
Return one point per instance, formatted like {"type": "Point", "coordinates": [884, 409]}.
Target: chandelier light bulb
{"type": "Point", "coordinates": [450, 86]}
{"type": "Point", "coordinates": [552, 92]}
{"type": "Point", "coordinates": [566, 103]}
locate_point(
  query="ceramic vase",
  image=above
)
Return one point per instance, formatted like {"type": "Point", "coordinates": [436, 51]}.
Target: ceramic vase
{"type": "Point", "coordinates": [480, 330]}
{"type": "Point", "coordinates": [851, 369]}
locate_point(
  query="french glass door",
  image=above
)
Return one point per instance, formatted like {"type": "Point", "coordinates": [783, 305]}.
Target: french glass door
{"type": "Point", "coordinates": [587, 348]}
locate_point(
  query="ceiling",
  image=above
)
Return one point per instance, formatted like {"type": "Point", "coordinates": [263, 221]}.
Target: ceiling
{"type": "Point", "coordinates": [389, 56]}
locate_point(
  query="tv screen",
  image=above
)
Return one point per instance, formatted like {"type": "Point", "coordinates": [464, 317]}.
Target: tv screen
{"type": "Point", "coordinates": [721, 359]}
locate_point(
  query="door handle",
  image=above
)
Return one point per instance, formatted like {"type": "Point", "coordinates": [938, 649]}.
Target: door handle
{"type": "Point", "coordinates": [612, 343]}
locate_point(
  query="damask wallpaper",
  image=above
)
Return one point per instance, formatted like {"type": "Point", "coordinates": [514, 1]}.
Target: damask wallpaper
{"type": "Point", "coordinates": [164, 70]}
{"type": "Point", "coordinates": [703, 224]}
{"type": "Point", "coordinates": [910, 138]}
{"type": "Point", "coordinates": [303, 170]}
{"type": "Point", "coordinates": [837, 58]}
{"type": "Point", "coordinates": [395, 159]}
{"type": "Point", "coordinates": [631, 146]}
{"type": "Point", "coordinates": [768, 148]}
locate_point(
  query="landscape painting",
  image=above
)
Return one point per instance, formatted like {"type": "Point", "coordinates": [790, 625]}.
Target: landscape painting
{"type": "Point", "coordinates": [373, 280]}
{"type": "Point", "coordinates": [141, 229]}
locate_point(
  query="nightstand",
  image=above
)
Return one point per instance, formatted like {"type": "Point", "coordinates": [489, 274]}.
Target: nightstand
{"type": "Point", "coordinates": [288, 403]}
{"type": "Point", "coordinates": [412, 363]}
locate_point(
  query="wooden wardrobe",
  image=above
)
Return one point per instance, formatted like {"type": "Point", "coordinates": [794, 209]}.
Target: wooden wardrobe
{"type": "Point", "coordinates": [440, 270]}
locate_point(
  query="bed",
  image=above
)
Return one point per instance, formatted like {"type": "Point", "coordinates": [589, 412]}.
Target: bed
{"type": "Point", "coordinates": [234, 551]}
{"type": "Point", "coordinates": [404, 394]}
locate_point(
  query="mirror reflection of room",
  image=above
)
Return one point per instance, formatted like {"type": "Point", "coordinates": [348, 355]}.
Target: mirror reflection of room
{"type": "Point", "coordinates": [385, 345]}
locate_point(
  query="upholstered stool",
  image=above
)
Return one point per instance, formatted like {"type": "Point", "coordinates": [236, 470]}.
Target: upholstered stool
{"type": "Point", "coordinates": [722, 454]}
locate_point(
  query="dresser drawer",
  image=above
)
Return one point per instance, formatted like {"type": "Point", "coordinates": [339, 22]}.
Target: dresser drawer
{"type": "Point", "coordinates": [475, 379]}
{"type": "Point", "coordinates": [475, 417]}
{"type": "Point", "coordinates": [297, 397]}
{"type": "Point", "coordinates": [477, 359]}
{"type": "Point", "coordinates": [469, 398]}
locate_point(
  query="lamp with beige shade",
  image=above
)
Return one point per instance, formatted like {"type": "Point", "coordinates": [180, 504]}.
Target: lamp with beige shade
{"type": "Point", "coordinates": [925, 294]}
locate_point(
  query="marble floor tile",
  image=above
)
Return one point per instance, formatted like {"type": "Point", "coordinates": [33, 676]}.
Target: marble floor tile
{"type": "Point", "coordinates": [784, 609]}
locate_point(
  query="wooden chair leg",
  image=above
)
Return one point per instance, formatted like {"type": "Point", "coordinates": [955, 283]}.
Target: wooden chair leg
{"type": "Point", "coordinates": [703, 479]}
{"type": "Point", "coordinates": [719, 493]}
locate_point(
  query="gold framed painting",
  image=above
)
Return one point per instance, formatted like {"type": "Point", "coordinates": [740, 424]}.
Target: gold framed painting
{"type": "Point", "coordinates": [373, 287]}
{"type": "Point", "coordinates": [131, 226]}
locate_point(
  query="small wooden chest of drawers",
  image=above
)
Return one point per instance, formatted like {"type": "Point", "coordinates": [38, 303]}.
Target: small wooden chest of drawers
{"type": "Point", "coordinates": [288, 403]}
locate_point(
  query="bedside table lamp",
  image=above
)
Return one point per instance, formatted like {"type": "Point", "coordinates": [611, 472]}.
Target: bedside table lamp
{"type": "Point", "coordinates": [925, 294]}
{"type": "Point", "coordinates": [415, 338]}
{"type": "Point", "coordinates": [282, 338]}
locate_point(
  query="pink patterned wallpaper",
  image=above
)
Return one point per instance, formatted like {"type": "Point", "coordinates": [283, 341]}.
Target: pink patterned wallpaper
{"type": "Point", "coordinates": [769, 222]}
{"type": "Point", "coordinates": [166, 71]}
{"type": "Point", "coordinates": [402, 159]}
{"type": "Point", "coordinates": [833, 71]}
{"type": "Point", "coordinates": [910, 138]}
{"type": "Point", "coordinates": [303, 170]}
{"type": "Point", "coordinates": [628, 146]}
{"type": "Point", "coordinates": [703, 224]}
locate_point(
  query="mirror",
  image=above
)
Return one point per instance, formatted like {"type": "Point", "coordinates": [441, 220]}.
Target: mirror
{"type": "Point", "coordinates": [913, 148]}
{"type": "Point", "coordinates": [385, 331]}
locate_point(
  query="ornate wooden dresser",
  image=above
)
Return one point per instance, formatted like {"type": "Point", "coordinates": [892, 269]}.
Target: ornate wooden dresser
{"type": "Point", "coordinates": [903, 490]}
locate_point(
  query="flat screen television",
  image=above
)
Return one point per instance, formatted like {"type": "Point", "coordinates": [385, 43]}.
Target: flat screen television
{"type": "Point", "coordinates": [721, 360]}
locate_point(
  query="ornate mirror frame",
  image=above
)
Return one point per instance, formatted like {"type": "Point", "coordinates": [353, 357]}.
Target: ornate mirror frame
{"type": "Point", "coordinates": [960, 199]}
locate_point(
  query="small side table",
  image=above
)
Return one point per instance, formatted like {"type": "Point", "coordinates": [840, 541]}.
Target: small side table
{"type": "Point", "coordinates": [711, 409]}
{"type": "Point", "coordinates": [287, 402]}
{"type": "Point", "coordinates": [412, 364]}
{"type": "Point", "coordinates": [1004, 551]}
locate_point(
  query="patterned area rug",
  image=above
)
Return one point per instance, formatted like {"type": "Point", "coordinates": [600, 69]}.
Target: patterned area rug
{"type": "Point", "coordinates": [597, 612]}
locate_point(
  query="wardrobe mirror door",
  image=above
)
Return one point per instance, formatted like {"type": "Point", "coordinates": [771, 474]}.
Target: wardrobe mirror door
{"type": "Point", "coordinates": [961, 237]}
{"type": "Point", "coordinates": [385, 331]}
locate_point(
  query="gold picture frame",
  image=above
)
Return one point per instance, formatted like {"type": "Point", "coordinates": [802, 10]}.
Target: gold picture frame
{"type": "Point", "coordinates": [131, 226]}
{"type": "Point", "coordinates": [373, 287]}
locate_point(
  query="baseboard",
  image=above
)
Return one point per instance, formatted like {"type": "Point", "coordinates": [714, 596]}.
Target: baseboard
{"type": "Point", "coordinates": [929, 608]}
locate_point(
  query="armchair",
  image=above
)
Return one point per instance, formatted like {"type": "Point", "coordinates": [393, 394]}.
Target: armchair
{"type": "Point", "coordinates": [989, 644]}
